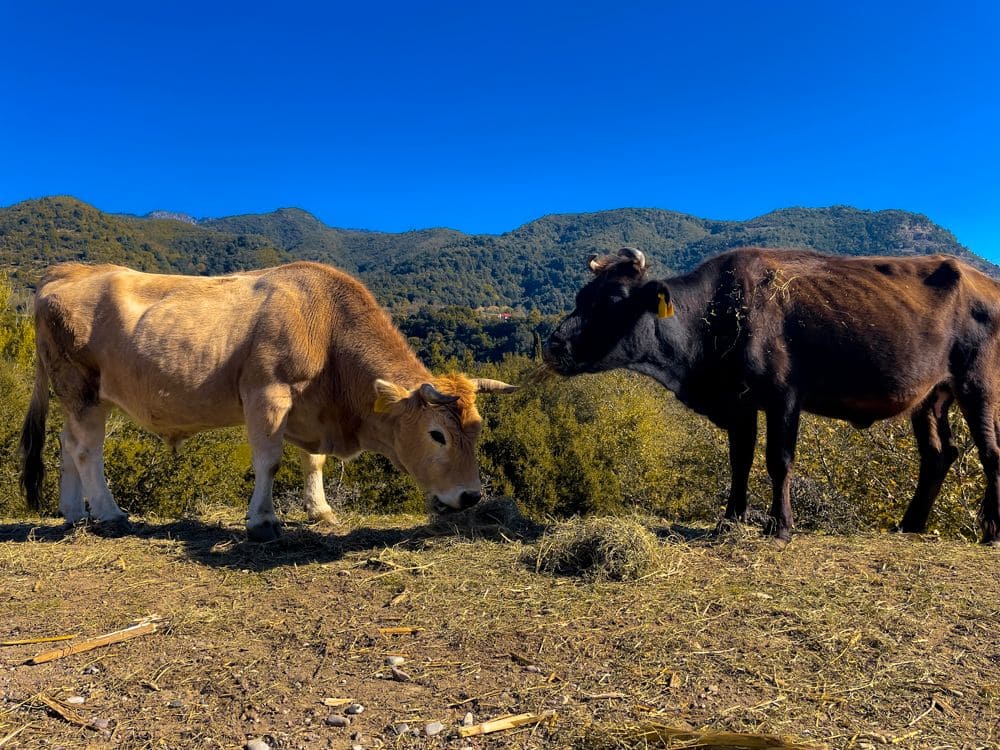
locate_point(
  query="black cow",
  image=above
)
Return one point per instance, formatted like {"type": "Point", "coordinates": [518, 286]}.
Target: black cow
{"type": "Point", "coordinates": [859, 339]}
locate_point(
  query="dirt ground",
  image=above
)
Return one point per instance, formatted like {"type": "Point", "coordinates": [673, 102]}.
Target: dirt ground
{"type": "Point", "coordinates": [844, 642]}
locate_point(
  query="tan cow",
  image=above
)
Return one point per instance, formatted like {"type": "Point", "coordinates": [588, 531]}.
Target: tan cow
{"type": "Point", "coordinates": [301, 353]}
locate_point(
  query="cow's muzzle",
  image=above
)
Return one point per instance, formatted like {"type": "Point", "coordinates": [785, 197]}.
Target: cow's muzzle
{"type": "Point", "coordinates": [466, 500]}
{"type": "Point", "coordinates": [557, 355]}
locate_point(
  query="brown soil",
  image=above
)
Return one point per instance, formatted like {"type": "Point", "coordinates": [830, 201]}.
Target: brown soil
{"type": "Point", "coordinates": [847, 642]}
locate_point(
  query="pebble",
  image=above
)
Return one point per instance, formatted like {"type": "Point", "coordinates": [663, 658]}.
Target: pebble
{"type": "Point", "coordinates": [100, 724]}
{"type": "Point", "coordinates": [175, 703]}
{"type": "Point", "coordinates": [394, 661]}
{"type": "Point", "coordinates": [400, 729]}
{"type": "Point", "coordinates": [434, 728]}
{"type": "Point", "coordinates": [468, 720]}
{"type": "Point", "coordinates": [336, 720]}
{"type": "Point", "coordinates": [75, 700]}
{"type": "Point", "coordinates": [354, 709]}
{"type": "Point", "coordinates": [92, 670]}
{"type": "Point", "coordinates": [399, 675]}
{"type": "Point", "coordinates": [257, 745]}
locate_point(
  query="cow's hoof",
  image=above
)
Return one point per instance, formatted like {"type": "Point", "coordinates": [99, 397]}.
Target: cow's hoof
{"type": "Point", "coordinates": [114, 527]}
{"type": "Point", "coordinates": [777, 533]}
{"type": "Point", "coordinates": [267, 531]}
{"type": "Point", "coordinates": [779, 542]}
{"type": "Point", "coordinates": [901, 529]}
{"type": "Point", "coordinates": [994, 543]}
{"type": "Point", "coordinates": [326, 518]}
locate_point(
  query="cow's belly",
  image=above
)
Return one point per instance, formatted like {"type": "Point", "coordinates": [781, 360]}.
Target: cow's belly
{"type": "Point", "coordinates": [170, 411]}
{"type": "Point", "coordinates": [322, 431]}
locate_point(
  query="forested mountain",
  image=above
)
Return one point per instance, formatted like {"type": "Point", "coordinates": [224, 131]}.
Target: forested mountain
{"type": "Point", "coordinates": [537, 266]}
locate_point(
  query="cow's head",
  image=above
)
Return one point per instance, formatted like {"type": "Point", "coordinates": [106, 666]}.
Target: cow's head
{"type": "Point", "coordinates": [434, 431]}
{"type": "Point", "coordinates": [613, 317]}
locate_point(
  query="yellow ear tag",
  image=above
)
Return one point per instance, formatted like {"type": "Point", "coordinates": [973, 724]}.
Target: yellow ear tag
{"type": "Point", "coordinates": [381, 405]}
{"type": "Point", "coordinates": [665, 309]}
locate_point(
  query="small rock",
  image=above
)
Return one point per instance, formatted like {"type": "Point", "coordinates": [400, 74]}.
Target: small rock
{"type": "Point", "coordinates": [468, 720]}
{"type": "Point", "coordinates": [100, 724]}
{"type": "Point", "coordinates": [354, 709]}
{"type": "Point", "coordinates": [257, 745]}
{"type": "Point", "coordinates": [434, 728]}
{"type": "Point", "coordinates": [336, 720]}
{"type": "Point", "coordinates": [394, 661]}
{"type": "Point", "coordinates": [400, 729]}
{"type": "Point", "coordinates": [175, 703]}
{"type": "Point", "coordinates": [75, 700]}
{"type": "Point", "coordinates": [399, 675]}
{"type": "Point", "coordinates": [92, 670]}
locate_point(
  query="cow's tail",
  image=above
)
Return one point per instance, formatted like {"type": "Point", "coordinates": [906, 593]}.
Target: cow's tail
{"type": "Point", "coordinates": [33, 437]}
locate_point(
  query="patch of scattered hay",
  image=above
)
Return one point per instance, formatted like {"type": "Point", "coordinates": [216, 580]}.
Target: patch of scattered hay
{"type": "Point", "coordinates": [491, 519]}
{"type": "Point", "coordinates": [599, 549]}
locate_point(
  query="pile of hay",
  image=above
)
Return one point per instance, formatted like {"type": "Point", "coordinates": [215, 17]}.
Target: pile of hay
{"type": "Point", "coordinates": [599, 549]}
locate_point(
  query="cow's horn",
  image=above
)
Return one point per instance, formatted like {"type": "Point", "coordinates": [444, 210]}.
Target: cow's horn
{"type": "Point", "coordinates": [592, 263]}
{"type": "Point", "coordinates": [432, 395]}
{"type": "Point", "coordinates": [485, 385]}
{"type": "Point", "coordinates": [635, 255]}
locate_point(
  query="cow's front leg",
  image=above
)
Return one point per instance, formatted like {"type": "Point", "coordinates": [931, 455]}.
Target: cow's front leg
{"type": "Point", "coordinates": [266, 416]}
{"type": "Point", "coordinates": [313, 494]}
{"type": "Point", "coordinates": [742, 442]}
{"type": "Point", "coordinates": [782, 433]}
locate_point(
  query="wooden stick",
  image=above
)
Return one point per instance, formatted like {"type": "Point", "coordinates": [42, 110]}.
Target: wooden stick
{"type": "Point", "coordinates": [402, 630]}
{"type": "Point", "coordinates": [91, 643]}
{"type": "Point", "coordinates": [46, 639]}
{"type": "Point", "coordinates": [64, 712]}
{"type": "Point", "coordinates": [504, 723]}
{"type": "Point", "coordinates": [337, 702]}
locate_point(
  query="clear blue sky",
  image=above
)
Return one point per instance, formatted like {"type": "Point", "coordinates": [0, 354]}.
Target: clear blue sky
{"type": "Point", "coordinates": [482, 116]}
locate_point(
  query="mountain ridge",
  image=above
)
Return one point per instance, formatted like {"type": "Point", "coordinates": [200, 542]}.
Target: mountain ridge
{"type": "Point", "coordinates": [539, 264]}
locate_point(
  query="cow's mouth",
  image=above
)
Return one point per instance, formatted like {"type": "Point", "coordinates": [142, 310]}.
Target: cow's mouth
{"type": "Point", "coordinates": [441, 508]}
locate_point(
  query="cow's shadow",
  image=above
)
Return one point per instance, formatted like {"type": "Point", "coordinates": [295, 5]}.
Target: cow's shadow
{"type": "Point", "coordinates": [219, 545]}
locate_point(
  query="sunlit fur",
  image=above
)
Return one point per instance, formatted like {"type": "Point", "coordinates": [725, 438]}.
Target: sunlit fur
{"type": "Point", "coordinates": [293, 352]}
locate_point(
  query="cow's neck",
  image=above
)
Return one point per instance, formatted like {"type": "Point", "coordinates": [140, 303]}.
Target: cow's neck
{"type": "Point", "coordinates": [665, 345]}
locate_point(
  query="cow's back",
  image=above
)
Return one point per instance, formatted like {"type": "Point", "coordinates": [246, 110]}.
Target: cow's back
{"type": "Point", "coordinates": [176, 351]}
{"type": "Point", "coordinates": [865, 334]}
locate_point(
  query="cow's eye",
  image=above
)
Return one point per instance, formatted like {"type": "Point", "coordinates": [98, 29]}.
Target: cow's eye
{"type": "Point", "coordinates": [438, 436]}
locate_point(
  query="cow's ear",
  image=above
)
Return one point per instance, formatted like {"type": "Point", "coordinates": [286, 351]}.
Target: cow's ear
{"type": "Point", "coordinates": [656, 298]}
{"type": "Point", "coordinates": [387, 394]}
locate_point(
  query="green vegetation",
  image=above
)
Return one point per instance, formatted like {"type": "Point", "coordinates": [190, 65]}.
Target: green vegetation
{"type": "Point", "coordinates": [596, 444]}
{"type": "Point", "coordinates": [537, 266]}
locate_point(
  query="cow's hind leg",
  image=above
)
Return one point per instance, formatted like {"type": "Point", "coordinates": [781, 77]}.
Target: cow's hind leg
{"type": "Point", "coordinates": [266, 415]}
{"type": "Point", "coordinates": [86, 445]}
{"type": "Point", "coordinates": [937, 454]}
{"type": "Point", "coordinates": [71, 504]}
{"type": "Point", "coordinates": [314, 495]}
{"type": "Point", "coordinates": [782, 434]}
{"type": "Point", "coordinates": [980, 413]}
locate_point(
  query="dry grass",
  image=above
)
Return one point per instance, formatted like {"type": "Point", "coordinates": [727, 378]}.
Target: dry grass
{"type": "Point", "coordinates": [599, 549]}
{"type": "Point", "coordinates": [845, 642]}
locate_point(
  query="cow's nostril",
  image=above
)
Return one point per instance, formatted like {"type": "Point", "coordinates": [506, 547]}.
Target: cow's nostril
{"type": "Point", "coordinates": [468, 499]}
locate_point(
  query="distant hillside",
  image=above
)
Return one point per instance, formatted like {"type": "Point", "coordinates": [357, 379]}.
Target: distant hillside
{"type": "Point", "coordinates": [539, 265]}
